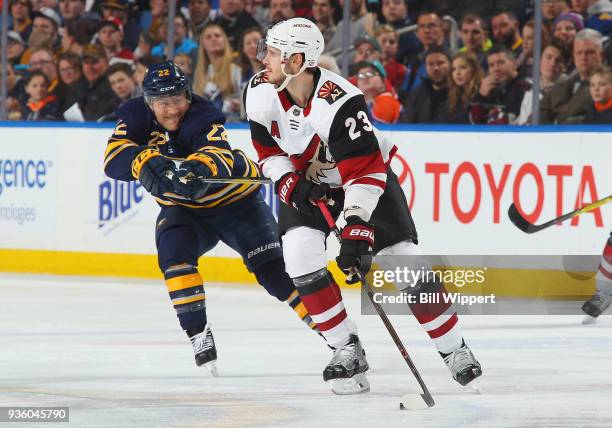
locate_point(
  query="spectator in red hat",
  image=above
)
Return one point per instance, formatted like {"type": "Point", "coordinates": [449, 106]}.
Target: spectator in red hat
{"type": "Point", "coordinates": [131, 27]}
{"type": "Point", "coordinates": [110, 36]}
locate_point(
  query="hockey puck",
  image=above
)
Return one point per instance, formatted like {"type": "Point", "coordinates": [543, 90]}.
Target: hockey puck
{"type": "Point", "coordinates": [412, 402]}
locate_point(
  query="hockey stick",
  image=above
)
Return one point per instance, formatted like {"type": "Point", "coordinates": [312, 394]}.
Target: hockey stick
{"type": "Point", "coordinates": [408, 401]}
{"type": "Point", "coordinates": [522, 223]}
{"type": "Point", "coordinates": [222, 180]}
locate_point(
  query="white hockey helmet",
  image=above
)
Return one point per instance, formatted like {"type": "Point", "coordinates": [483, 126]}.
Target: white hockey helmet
{"type": "Point", "coordinates": [293, 36]}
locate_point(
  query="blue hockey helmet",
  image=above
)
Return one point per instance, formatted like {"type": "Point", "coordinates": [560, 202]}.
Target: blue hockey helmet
{"type": "Point", "coordinates": [165, 79]}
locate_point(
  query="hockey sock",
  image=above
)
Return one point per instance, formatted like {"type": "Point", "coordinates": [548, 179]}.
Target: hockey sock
{"type": "Point", "coordinates": [438, 318]}
{"type": "Point", "coordinates": [297, 305]}
{"type": "Point", "coordinates": [321, 297]}
{"type": "Point", "coordinates": [603, 278]}
{"type": "Point", "coordinates": [186, 290]}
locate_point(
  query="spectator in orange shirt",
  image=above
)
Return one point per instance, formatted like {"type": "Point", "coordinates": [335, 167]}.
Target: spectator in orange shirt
{"type": "Point", "coordinates": [600, 88]}
{"type": "Point", "coordinates": [383, 106]}
{"type": "Point", "coordinates": [40, 105]}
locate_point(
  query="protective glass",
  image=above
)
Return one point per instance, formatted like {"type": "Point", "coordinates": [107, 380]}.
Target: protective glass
{"type": "Point", "coordinates": [366, 75]}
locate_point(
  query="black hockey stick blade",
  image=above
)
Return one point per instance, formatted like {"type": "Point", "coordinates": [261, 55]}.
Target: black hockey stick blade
{"type": "Point", "coordinates": [521, 222]}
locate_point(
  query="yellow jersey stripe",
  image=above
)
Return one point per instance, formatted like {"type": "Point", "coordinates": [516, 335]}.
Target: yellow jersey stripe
{"type": "Point", "coordinates": [115, 153]}
{"type": "Point", "coordinates": [118, 144]}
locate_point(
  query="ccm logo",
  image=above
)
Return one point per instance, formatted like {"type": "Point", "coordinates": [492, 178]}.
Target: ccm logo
{"type": "Point", "coordinates": [285, 189]}
{"type": "Point", "coordinates": [362, 233]}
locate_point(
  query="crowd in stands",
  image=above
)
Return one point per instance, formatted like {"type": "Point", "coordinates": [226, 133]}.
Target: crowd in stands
{"type": "Point", "coordinates": [416, 61]}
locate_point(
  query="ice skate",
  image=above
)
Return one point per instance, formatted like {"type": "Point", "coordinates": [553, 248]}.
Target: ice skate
{"type": "Point", "coordinates": [462, 365]}
{"type": "Point", "coordinates": [595, 306]}
{"type": "Point", "coordinates": [205, 350]}
{"type": "Point", "coordinates": [346, 369]}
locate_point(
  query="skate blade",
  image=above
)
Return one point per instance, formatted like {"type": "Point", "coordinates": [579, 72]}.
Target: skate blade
{"type": "Point", "coordinates": [589, 320]}
{"type": "Point", "coordinates": [413, 401]}
{"type": "Point", "coordinates": [354, 385]}
{"type": "Point", "coordinates": [211, 366]}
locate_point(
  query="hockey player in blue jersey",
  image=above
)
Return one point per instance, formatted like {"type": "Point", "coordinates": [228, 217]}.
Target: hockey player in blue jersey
{"type": "Point", "coordinates": [168, 127]}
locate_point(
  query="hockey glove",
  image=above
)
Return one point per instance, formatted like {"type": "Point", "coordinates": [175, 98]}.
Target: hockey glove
{"type": "Point", "coordinates": [297, 192]}
{"type": "Point", "coordinates": [155, 175]}
{"type": "Point", "coordinates": [356, 248]}
{"type": "Point", "coordinates": [187, 180]}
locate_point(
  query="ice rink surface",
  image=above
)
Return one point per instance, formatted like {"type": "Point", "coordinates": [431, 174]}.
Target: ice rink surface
{"type": "Point", "coordinates": [113, 352]}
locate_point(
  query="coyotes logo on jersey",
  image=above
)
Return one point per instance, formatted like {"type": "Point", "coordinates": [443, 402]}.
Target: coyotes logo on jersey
{"type": "Point", "coordinates": [316, 163]}
{"type": "Point", "coordinates": [320, 162]}
{"type": "Point", "coordinates": [330, 92]}
{"type": "Point", "coordinates": [259, 79]}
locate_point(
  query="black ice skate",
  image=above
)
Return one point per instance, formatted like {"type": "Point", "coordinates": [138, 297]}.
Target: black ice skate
{"type": "Point", "coordinates": [596, 306]}
{"type": "Point", "coordinates": [462, 364]}
{"type": "Point", "coordinates": [205, 350]}
{"type": "Point", "coordinates": [346, 369]}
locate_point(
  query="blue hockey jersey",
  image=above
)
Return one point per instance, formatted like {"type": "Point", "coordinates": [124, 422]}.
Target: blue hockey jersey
{"type": "Point", "coordinates": [201, 134]}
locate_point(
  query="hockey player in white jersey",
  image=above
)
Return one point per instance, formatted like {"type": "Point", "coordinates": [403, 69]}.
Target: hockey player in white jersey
{"type": "Point", "coordinates": [314, 140]}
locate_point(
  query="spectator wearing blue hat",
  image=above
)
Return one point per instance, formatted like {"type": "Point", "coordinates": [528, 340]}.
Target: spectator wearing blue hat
{"type": "Point", "coordinates": [600, 17]}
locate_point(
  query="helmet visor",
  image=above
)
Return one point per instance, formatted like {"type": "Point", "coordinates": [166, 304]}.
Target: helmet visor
{"type": "Point", "coordinates": [262, 49]}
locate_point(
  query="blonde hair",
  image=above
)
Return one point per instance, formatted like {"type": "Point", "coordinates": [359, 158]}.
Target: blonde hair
{"type": "Point", "coordinates": [384, 29]}
{"type": "Point", "coordinates": [222, 67]}
{"type": "Point", "coordinates": [463, 95]}
{"type": "Point", "coordinates": [604, 71]}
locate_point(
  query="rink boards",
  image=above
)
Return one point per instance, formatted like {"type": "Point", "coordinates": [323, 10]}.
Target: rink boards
{"type": "Point", "coordinates": [59, 213]}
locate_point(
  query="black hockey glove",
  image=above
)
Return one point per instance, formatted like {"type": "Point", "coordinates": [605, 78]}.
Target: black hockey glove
{"type": "Point", "coordinates": [356, 248]}
{"type": "Point", "coordinates": [187, 180]}
{"type": "Point", "coordinates": [156, 175]}
{"type": "Point", "coordinates": [297, 192]}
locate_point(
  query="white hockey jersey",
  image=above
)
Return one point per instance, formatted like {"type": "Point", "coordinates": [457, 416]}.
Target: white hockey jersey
{"type": "Point", "coordinates": [330, 141]}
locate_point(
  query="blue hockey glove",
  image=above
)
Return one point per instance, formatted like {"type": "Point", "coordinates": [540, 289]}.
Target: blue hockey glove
{"type": "Point", "coordinates": [188, 182]}
{"type": "Point", "coordinates": [154, 172]}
